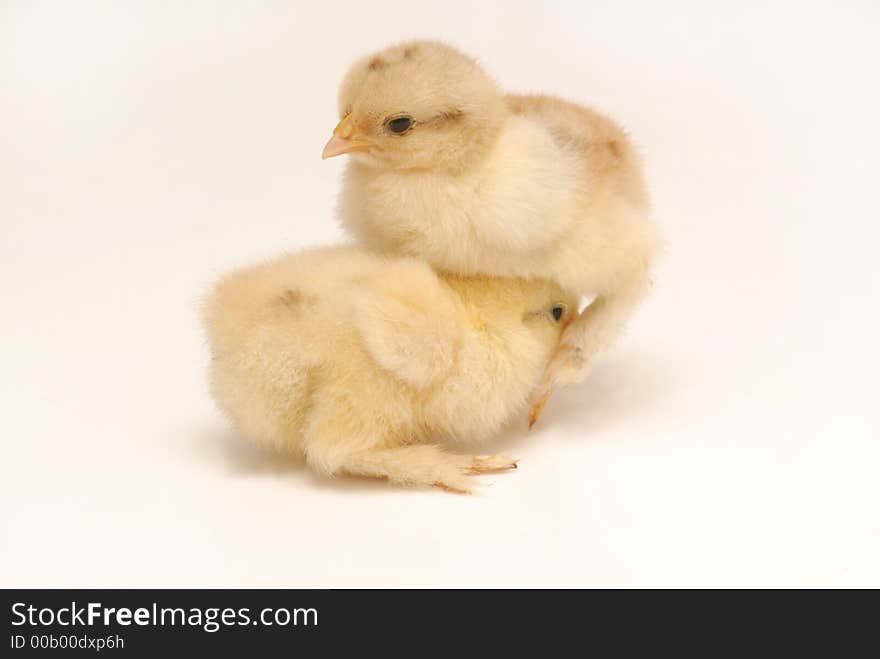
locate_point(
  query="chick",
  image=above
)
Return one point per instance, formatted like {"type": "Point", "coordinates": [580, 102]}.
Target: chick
{"type": "Point", "coordinates": [364, 364]}
{"type": "Point", "coordinates": [448, 169]}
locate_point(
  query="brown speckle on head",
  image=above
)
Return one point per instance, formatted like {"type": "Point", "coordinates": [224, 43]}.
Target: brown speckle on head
{"type": "Point", "coordinates": [409, 51]}
{"type": "Point", "coordinates": [452, 115]}
{"type": "Point", "coordinates": [615, 149]}
{"type": "Point", "coordinates": [377, 63]}
{"type": "Point", "coordinates": [292, 299]}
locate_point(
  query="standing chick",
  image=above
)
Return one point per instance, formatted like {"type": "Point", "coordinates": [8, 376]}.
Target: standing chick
{"type": "Point", "coordinates": [448, 169]}
{"type": "Point", "coordinates": [362, 363]}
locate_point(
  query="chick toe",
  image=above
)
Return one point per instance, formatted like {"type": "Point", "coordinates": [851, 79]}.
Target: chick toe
{"type": "Point", "coordinates": [487, 463]}
{"type": "Point", "coordinates": [453, 489]}
{"type": "Point", "coordinates": [537, 409]}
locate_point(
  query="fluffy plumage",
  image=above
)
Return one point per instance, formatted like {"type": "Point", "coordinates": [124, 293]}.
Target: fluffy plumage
{"type": "Point", "coordinates": [364, 364]}
{"type": "Point", "coordinates": [485, 183]}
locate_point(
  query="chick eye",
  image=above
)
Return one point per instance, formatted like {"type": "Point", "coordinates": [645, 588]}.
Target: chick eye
{"type": "Point", "coordinates": [557, 312]}
{"type": "Point", "coordinates": [399, 125]}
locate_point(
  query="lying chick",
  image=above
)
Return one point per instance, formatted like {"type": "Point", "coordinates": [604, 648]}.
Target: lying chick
{"type": "Point", "coordinates": [362, 364]}
{"type": "Point", "coordinates": [448, 169]}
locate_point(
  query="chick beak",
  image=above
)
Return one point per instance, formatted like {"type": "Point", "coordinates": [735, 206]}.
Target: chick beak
{"type": "Point", "coordinates": [345, 140]}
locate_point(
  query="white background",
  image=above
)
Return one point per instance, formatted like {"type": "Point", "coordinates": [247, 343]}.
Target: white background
{"type": "Point", "coordinates": [731, 439]}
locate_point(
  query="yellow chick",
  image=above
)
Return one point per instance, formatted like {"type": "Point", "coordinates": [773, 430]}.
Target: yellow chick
{"type": "Point", "coordinates": [364, 364]}
{"type": "Point", "coordinates": [448, 169]}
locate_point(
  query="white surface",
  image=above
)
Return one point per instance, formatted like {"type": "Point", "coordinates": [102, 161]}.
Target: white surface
{"type": "Point", "coordinates": [731, 439]}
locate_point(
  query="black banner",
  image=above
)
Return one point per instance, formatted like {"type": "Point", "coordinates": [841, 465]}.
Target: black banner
{"type": "Point", "coordinates": [417, 622]}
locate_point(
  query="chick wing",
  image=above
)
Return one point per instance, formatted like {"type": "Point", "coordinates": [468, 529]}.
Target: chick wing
{"type": "Point", "coordinates": [409, 323]}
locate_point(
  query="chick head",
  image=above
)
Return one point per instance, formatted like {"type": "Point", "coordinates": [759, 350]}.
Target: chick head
{"type": "Point", "coordinates": [540, 306]}
{"type": "Point", "coordinates": [416, 105]}
{"type": "Point", "coordinates": [549, 309]}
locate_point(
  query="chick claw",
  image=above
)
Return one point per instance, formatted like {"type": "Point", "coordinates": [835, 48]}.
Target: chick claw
{"type": "Point", "coordinates": [544, 390]}
{"type": "Point", "coordinates": [567, 365]}
{"type": "Point", "coordinates": [537, 408]}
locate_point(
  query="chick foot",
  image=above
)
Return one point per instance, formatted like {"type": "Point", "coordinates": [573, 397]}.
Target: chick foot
{"type": "Point", "coordinates": [460, 483]}
{"type": "Point", "coordinates": [423, 465]}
